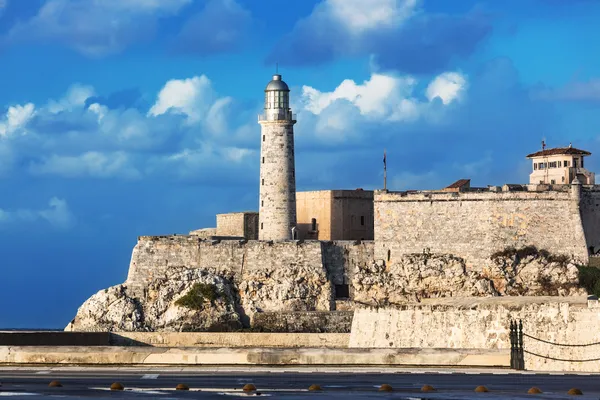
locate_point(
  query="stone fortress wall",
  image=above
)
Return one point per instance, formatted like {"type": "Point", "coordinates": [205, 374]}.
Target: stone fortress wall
{"type": "Point", "coordinates": [473, 225]}
{"type": "Point", "coordinates": [154, 256]}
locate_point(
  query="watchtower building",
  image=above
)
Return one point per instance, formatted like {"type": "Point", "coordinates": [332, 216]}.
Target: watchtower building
{"type": "Point", "coordinates": [277, 208]}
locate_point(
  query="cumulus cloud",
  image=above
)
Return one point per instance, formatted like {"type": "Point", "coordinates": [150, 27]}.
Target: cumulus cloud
{"type": "Point", "coordinates": [448, 86]}
{"type": "Point", "coordinates": [191, 97]}
{"type": "Point", "coordinates": [358, 16]}
{"type": "Point", "coordinates": [75, 97]}
{"type": "Point", "coordinates": [381, 98]}
{"type": "Point", "coordinates": [16, 119]}
{"type": "Point", "coordinates": [397, 33]}
{"type": "Point", "coordinates": [95, 27]}
{"type": "Point", "coordinates": [80, 135]}
{"type": "Point", "coordinates": [57, 214]}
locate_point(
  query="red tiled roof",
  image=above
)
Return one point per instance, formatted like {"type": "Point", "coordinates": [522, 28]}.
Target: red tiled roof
{"type": "Point", "coordinates": [459, 183]}
{"type": "Point", "coordinates": [559, 151]}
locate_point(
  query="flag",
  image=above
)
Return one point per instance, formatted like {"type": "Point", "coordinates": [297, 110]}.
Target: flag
{"type": "Point", "coordinates": [384, 163]}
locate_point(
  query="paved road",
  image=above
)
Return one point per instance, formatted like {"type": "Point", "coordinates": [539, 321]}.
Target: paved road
{"type": "Point", "coordinates": [289, 384]}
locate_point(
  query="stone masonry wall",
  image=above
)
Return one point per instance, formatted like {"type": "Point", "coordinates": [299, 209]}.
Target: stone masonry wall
{"type": "Point", "coordinates": [277, 214]}
{"type": "Point", "coordinates": [590, 214]}
{"type": "Point", "coordinates": [154, 255]}
{"type": "Point", "coordinates": [483, 323]}
{"type": "Point", "coordinates": [343, 257]}
{"type": "Point", "coordinates": [474, 225]}
{"type": "Point", "coordinates": [231, 224]}
{"type": "Point", "coordinates": [299, 322]}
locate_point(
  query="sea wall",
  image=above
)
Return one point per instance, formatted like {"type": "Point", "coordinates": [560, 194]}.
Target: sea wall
{"type": "Point", "coordinates": [300, 322]}
{"type": "Point", "coordinates": [474, 225]}
{"type": "Point", "coordinates": [483, 323]}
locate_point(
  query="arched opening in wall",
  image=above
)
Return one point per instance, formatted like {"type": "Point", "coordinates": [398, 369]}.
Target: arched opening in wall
{"type": "Point", "coordinates": [313, 224]}
{"type": "Point", "coordinates": [389, 255]}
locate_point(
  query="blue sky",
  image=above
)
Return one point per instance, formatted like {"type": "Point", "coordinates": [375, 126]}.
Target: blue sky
{"type": "Point", "coordinates": [121, 118]}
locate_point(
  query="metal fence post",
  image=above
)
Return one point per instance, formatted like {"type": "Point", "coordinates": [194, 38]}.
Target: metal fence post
{"type": "Point", "coordinates": [513, 346]}
{"type": "Point", "coordinates": [521, 354]}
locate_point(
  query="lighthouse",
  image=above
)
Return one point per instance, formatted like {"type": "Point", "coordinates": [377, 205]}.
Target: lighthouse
{"type": "Point", "coordinates": [277, 208]}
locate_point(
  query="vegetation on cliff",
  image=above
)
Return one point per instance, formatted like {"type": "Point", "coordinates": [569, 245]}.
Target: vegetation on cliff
{"type": "Point", "coordinates": [589, 279]}
{"type": "Point", "coordinates": [197, 296]}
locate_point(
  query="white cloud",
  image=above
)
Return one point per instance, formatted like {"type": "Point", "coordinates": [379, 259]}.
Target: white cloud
{"type": "Point", "coordinates": [16, 118]}
{"type": "Point", "coordinates": [360, 15]}
{"type": "Point", "coordinates": [448, 86]}
{"type": "Point", "coordinates": [383, 97]}
{"type": "Point", "coordinates": [75, 98]}
{"type": "Point", "coordinates": [192, 97]}
{"type": "Point", "coordinates": [92, 163]}
{"type": "Point", "coordinates": [374, 97]}
{"type": "Point", "coordinates": [57, 214]}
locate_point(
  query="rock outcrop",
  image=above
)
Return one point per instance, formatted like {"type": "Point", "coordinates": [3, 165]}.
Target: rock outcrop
{"type": "Point", "coordinates": [523, 272]}
{"type": "Point", "coordinates": [416, 276]}
{"type": "Point", "coordinates": [228, 306]}
{"type": "Point", "coordinates": [116, 309]}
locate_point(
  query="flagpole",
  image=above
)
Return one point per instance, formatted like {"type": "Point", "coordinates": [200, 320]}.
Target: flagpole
{"type": "Point", "coordinates": [384, 171]}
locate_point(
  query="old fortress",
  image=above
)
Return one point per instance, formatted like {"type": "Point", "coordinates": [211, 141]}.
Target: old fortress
{"type": "Point", "coordinates": [340, 230]}
{"type": "Point", "coordinates": [307, 261]}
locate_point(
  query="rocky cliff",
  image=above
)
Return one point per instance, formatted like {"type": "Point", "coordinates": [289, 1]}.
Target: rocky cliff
{"type": "Point", "coordinates": [524, 272]}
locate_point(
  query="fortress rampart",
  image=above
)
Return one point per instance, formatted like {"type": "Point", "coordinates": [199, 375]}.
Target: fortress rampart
{"type": "Point", "coordinates": [474, 225]}
{"type": "Point", "coordinates": [153, 256]}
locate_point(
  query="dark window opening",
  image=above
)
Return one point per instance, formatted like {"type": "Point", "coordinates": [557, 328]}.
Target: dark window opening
{"type": "Point", "coordinates": [389, 254]}
{"type": "Point", "coordinates": [263, 138]}
{"type": "Point", "coordinates": [262, 203]}
{"type": "Point", "coordinates": [362, 220]}
{"type": "Point", "coordinates": [552, 181]}
{"type": "Point", "coordinates": [263, 160]}
{"type": "Point", "coordinates": [342, 291]}
{"type": "Point", "coordinates": [263, 182]}
{"type": "Point", "coordinates": [313, 224]}
{"type": "Point", "coordinates": [261, 225]}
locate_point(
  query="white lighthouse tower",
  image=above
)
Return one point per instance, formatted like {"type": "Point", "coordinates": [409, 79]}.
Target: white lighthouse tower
{"type": "Point", "coordinates": [277, 215]}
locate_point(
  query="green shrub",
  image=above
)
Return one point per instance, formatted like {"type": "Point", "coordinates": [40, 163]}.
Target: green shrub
{"type": "Point", "coordinates": [198, 295]}
{"type": "Point", "coordinates": [589, 279]}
